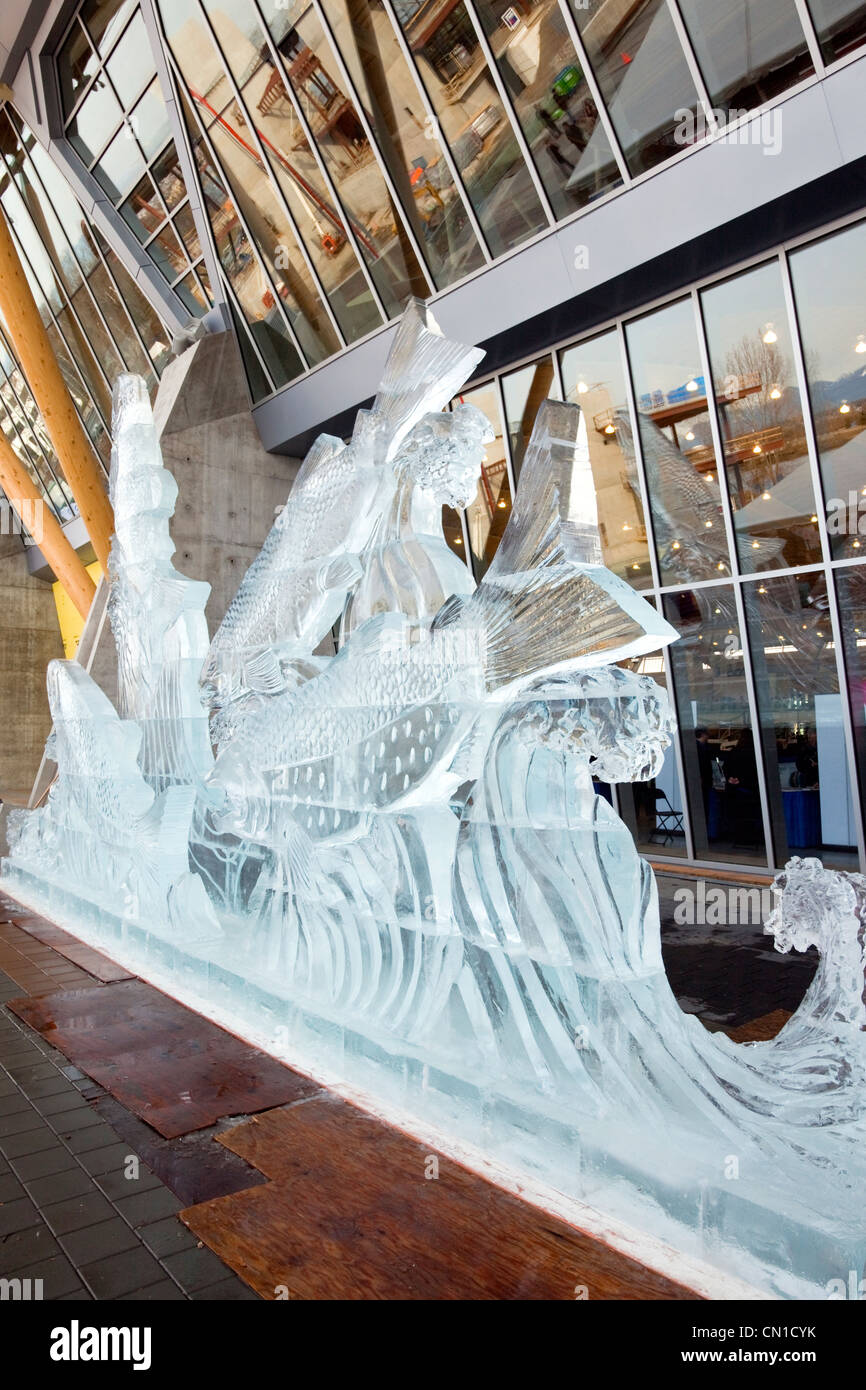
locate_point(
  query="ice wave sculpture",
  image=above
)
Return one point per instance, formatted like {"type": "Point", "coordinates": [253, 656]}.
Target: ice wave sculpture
{"type": "Point", "coordinates": [396, 866]}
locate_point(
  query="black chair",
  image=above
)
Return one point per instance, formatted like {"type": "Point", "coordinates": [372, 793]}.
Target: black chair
{"type": "Point", "coordinates": [668, 821]}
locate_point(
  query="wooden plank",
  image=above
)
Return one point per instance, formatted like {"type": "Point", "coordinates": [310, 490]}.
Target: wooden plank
{"type": "Point", "coordinates": [171, 1067]}
{"type": "Point", "coordinates": [352, 1212]}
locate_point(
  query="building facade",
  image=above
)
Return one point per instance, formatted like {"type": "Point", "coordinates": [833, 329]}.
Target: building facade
{"type": "Point", "coordinates": [653, 208]}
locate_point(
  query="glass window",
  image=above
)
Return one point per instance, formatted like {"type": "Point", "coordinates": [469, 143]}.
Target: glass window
{"type": "Point", "coordinates": [184, 225]}
{"type": "Point", "coordinates": [643, 75]}
{"type": "Point", "coordinates": [766, 455]}
{"type": "Point", "coordinates": [592, 377]}
{"type": "Point", "coordinates": [166, 171]}
{"type": "Point", "coordinates": [487, 515]}
{"type": "Point", "coordinates": [121, 165]}
{"type": "Point", "coordinates": [830, 289]}
{"type": "Point", "coordinates": [143, 211]}
{"type": "Point", "coordinates": [291, 162]}
{"type": "Point", "coordinates": [676, 441]}
{"type": "Point", "coordinates": [749, 50]}
{"type": "Point", "coordinates": [408, 144]}
{"type": "Point", "coordinates": [131, 64]}
{"type": "Point", "coordinates": [76, 64]}
{"type": "Point", "coordinates": [653, 810]}
{"type": "Point", "coordinates": [841, 26]}
{"type": "Point", "coordinates": [716, 735]}
{"type": "Point", "coordinates": [149, 121]}
{"type": "Point", "coordinates": [541, 71]}
{"type": "Point", "coordinates": [96, 119]}
{"type": "Point", "coordinates": [104, 20]}
{"type": "Point", "coordinates": [472, 120]}
{"type": "Point", "coordinates": [800, 708]}
{"type": "Point", "coordinates": [524, 391]}
{"type": "Point", "coordinates": [155, 337]}
{"type": "Point", "coordinates": [452, 527]}
{"type": "Point", "coordinates": [167, 254]}
{"type": "Point", "coordinates": [851, 593]}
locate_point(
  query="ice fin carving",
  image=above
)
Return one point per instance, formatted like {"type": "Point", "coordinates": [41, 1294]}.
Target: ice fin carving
{"type": "Point", "coordinates": [157, 615]}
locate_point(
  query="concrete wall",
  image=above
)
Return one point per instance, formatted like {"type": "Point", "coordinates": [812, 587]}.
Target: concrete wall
{"type": "Point", "coordinates": [29, 639]}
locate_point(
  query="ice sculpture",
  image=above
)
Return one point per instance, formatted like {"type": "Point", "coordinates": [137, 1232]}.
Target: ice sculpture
{"type": "Point", "coordinates": [397, 869]}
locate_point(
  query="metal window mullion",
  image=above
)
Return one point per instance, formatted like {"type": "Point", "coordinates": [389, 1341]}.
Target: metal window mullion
{"type": "Point", "coordinates": [716, 435]}
{"type": "Point", "coordinates": [27, 462]}
{"type": "Point", "coordinates": [506, 441]}
{"type": "Point", "coordinates": [442, 142]}
{"type": "Point", "coordinates": [812, 40]}
{"type": "Point", "coordinates": [339, 205]}
{"type": "Point", "coordinates": [694, 67]}
{"type": "Point", "coordinates": [181, 139]}
{"type": "Point", "coordinates": [637, 446]}
{"type": "Point", "coordinates": [126, 310]}
{"type": "Point", "coordinates": [510, 113]}
{"type": "Point", "coordinates": [59, 480]}
{"type": "Point", "coordinates": [253, 247]}
{"type": "Point", "coordinates": [272, 180]}
{"type": "Point", "coordinates": [814, 454]}
{"type": "Point", "coordinates": [677, 743]}
{"type": "Point", "coordinates": [345, 76]}
{"type": "Point", "coordinates": [597, 96]}
{"type": "Point", "coordinates": [233, 299]}
{"type": "Point", "coordinates": [56, 323]}
{"type": "Point", "coordinates": [736, 576]}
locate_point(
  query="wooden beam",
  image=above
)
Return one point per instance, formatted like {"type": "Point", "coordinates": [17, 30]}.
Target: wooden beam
{"type": "Point", "coordinates": [24, 496]}
{"type": "Point", "coordinates": [45, 379]}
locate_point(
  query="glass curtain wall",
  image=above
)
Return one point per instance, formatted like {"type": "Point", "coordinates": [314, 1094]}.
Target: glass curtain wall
{"type": "Point", "coordinates": [116, 120]}
{"type": "Point", "coordinates": [371, 150]}
{"type": "Point", "coordinates": [768, 679]}
{"type": "Point", "coordinates": [97, 319]}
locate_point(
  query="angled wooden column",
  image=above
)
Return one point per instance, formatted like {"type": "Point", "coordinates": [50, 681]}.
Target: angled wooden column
{"type": "Point", "coordinates": [36, 355]}
{"type": "Point", "coordinates": [24, 495]}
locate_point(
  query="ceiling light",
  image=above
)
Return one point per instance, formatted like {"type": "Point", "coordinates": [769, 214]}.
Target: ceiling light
{"type": "Point", "coordinates": [860, 345]}
{"type": "Point", "coordinates": [844, 408]}
{"type": "Point", "coordinates": [582, 388]}
{"type": "Point", "coordinates": [757, 449]}
{"type": "Point", "coordinates": [692, 385]}
{"type": "Point", "coordinates": [503, 505]}
{"type": "Point", "coordinates": [756, 545]}
{"type": "Point", "coordinates": [769, 334]}
{"type": "Point", "coordinates": [690, 435]}
{"type": "Point", "coordinates": [775, 394]}
{"type": "Point", "coordinates": [610, 429]}
{"type": "Point", "coordinates": [765, 496]}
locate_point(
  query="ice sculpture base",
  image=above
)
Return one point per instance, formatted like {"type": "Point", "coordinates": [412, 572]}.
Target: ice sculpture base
{"type": "Point", "coordinates": [779, 1249]}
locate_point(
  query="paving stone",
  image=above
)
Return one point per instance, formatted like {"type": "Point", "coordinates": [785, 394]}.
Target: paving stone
{"type": "Point", "coordinates": [95, 1136]}
{"type": "Point", "coordinates": [195, 1269]}
{"type": "Point", "coordinates": [167, 1236]}
{"type": "Point", "coordinates": [227, 1291]}
{"type": "Point", "coordinates": [10, 1187]}
{"type": "Point", "coordinates": [73, 1073]}
{"type": "Point", "coordinates": [120, 1274]}
{"type": "Point", "coordinates": [13, 1103]}
{"type": "Point", "coordinates": [107, 1158]}
{"type": "Point", "coordinates": [51, 1086]}
{"type": "Point", "coordinates": [20, 1122]}
{"type": "Point", "coordinates": [99, 1241]}
{"type": "Point", "coordinates": [163, 1292]}
{"type": "Point", "coordinates": [56, 1187]}
{"type": "Point", "coordinates": [31, 1141]}
{"type": "Point", "coordinates": [70, 1121]}
{"type": "Point", "coordinates": [22, 1248]}
{"type": "Point", "coordinates": [17, 1216]}
{"type": "Point", "coordinates": [116, 1184]}
{"type": "Point", "coordinates": [149, 1206]}
{"type": "Point", "coordinates": [59, 1279]}
{"type": "Point", "coordinates": [66, 1100]}
{"type": "Point", "coordinates": [76, 1212]}
{"type": "Point", "coordinates": [77, 1296]}
{"type": "Point", "coordinates": [40, 1071]}
{"type": "Point", "coordinates": [38, 1165]}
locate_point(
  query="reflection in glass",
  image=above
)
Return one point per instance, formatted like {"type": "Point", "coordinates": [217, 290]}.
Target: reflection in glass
{"type": "Point", "coordinates": [851, 593]}
{"type": "Point", "coordinates": [120, 165]}
{"type": "Point", "coordinates": [677, 445]}
{"type": "Point", "coordinates": [716, 734]}
{"type": "Point", "coordinates": [104, 20]}
{"type": "Point", "coordinates": [472, 120]}
{"type": "Point", "coordinates": [800, 708]}
{"type": "Point", "coordinates": [76, 64]}
{"type": "Point", "coordinates": [841, 26]}
{"type": "Point", "coordinates": [131, 63]}
{"type": "Point", "coordinates": [142, 210]}
{"type": "Point", "coordinates": [149, 121]}
{"type": "Point", "coordinates": [452, 527]}
{"type": "Point", "coordinates": [748, 50]}
{"type": "Point", "coordinates": [487, 515]}
{"type": "Point", "coordinates": [97, 117]}
{"type": "Point", "coordinates": [766, 455]}
{"type": "Point", "coordinates": [408, 144]}
{"type": "Point", "coordinates": [291, 162]}
{"type": "Point", "coordinates": [166, 171]}
{"type": "Point", "coordinates": [653, 810]}
{"type": "Point", "coordinates": [829, 279]}
{"type": "Point", "coordinates": [643, 75]}
{"type": "Point", "coordinates": [524, 391]}
{"type": "Point", "coordinates": [592, 377]}
{"type": "Point", "coordinates": [542, 74]}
